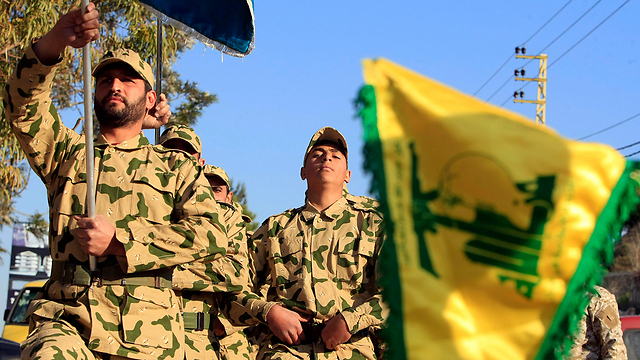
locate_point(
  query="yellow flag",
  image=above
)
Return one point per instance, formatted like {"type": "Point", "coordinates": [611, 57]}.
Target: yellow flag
{"type": "Point", "coordinates": [497, 227]}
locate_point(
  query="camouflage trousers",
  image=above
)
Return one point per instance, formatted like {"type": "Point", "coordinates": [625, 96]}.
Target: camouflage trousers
{"type": "Point", "coordinates": [57, 339]}
{"type": "Point", "coordinates": [357, 348]}
{"type": "Point", "coordinates": [200, 345]}
{"type": "Point", "coordinates": [237, 346]}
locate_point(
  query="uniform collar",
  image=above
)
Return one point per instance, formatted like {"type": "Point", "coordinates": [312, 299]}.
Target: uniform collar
{"type": "Point", "coordinates": [135, 142]}
{"type": "Point", "coordinates": [332, 213]}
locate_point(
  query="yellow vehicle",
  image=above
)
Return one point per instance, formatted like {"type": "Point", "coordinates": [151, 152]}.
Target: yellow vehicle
{"type": "Point", "coordinates": [16, 327]}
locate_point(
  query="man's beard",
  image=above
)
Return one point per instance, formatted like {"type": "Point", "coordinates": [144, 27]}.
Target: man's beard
{"type": "Point", "coordinates": [110, 117]}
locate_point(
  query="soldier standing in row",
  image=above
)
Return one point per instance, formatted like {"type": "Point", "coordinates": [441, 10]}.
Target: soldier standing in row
{"type": "Point", "coordinates": [234, 342]}
{"type": "Point", "coordinates": [599, 334]}
{"type": "Point", "coordinates": [155, 210]}
{"type": "Point", "coordinates": [203, 283]}
{"type": "Point", "coordinates": [315, 266]}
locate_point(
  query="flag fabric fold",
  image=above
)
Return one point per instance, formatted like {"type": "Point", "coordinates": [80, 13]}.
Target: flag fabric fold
{"type": "Point", "coordinates": [227, 25]}
{"type": "Point", "coordinates": [497, 228]}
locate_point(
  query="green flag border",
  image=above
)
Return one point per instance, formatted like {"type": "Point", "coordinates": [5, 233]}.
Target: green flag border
{"type": "Point", "coordinates": [597, 254]}
{"type": "Point", "coordinates": [393, 331]}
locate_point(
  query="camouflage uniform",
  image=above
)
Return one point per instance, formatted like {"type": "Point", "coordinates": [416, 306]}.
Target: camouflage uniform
{"type": "Point", "coordinates": [184, 133]}
{"type": "Point", "coordinates": [600, 334]}
{"type": "Point", "coordinates": [236, 343]}
{"type": "Point", "coordinates": [201, 284]}
{"type": "Point", "coordinates": [164, 215]}
{"type": "Point", "coordinates": [322, 264]}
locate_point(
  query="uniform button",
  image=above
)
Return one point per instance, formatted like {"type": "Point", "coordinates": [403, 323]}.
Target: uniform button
{"type": "Point", "coordinates": [121, 179]}
{"type": "Point", "coordinates": [112, 150]}
{"type": "Point", "coordinates": [144, 341]}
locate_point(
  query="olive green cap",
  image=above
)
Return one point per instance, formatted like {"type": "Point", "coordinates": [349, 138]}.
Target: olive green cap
{"type": "Point", "coordinates": [130, 58]}
{"type": "Point", "coordinates": [183, 133]}
{"type": "Point", "coordinates": [327, 135]}
{"type": "Point", "coordinates": [211, 170]}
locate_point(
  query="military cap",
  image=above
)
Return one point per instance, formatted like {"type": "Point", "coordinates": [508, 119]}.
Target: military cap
{"type": "Point", "coordinates": [211, 170]}
{"type": "Point", "coordinates": [184, 133]}
{"type": "Point", "coordinates": [128, 57]}
{"type": "Point", "coordinates": [327, 135]}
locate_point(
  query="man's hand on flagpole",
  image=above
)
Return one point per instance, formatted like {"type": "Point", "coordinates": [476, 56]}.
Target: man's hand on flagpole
{"type": "Point", "coordinates": [157, 116]}
{"type": "Point", "coordinates": [72, 29]}
{"type": "Point", "coordinates": [97, 236]}
{"type": "Point", "coordinates": [335, 332]}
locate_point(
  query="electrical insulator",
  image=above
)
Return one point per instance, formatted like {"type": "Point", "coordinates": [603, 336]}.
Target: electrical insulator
{"type": "Point", "coordinates": [517, 72]}
{"type": "Point", "coordinates": [521, 94]}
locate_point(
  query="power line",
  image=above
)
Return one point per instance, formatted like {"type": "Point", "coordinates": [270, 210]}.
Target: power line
{"type": "Point", "coordinates": [551, 43]}
{"type": "Point", "coordinates": [526, 41]}
{"type": "Point", "coordinates": [500, 88]}
{"type": "Point", "coordinates": [635, 153]}
{"type": "Point", "coordinates": [548, 21]}
{"type": "Point", "coordinates": [572, 25]}
{"type": "Point", "coordinates": [571, 48]}
{"type": "Point", "coordinates": [589, 33]}
{"type": "Point", "coordinates": [610, 127]}
{"type": "Point", "coordinates": [494, 74]}
{"type": "Point", "coordinates": [628, 146]}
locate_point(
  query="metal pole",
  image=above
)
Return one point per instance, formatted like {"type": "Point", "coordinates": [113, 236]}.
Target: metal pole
{"type": "Point", "coordinates": [88, 134]}
{"type": "Point", "coordinates": [159, 69]}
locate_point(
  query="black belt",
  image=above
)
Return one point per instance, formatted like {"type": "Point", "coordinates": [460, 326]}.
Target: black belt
{"type": "Point", "coordinates": [77, 274]}
{"type": "Point", "coordinates": [313, 331]}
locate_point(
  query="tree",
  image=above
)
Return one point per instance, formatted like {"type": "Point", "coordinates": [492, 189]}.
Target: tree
{"type": "Point", "coordinates": [38, 225]}
{"type": "Point", "coordinates": [125, 23]}
{"type": "Point", "coordinates": [240, 196]}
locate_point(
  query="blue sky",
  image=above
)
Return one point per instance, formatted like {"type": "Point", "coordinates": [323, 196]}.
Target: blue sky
{"type": "Point", "coordinates": [305, 72]}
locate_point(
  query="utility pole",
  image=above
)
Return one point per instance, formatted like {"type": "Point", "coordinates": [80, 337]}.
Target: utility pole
{"type": "Point", "coordinates": [541, 103]}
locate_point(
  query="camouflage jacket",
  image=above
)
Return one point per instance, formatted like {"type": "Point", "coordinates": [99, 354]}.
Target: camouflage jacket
{"type": "Point", "coordinates": [203, 285]}
{"type": "Point", "coordinates": [600, 334]}
{"type": "Point", "coordinates": [215, 273]}
{"type": "Point", "coordinates": [319, 263]}
{"type": "Point", "coordinates": [161, 206]}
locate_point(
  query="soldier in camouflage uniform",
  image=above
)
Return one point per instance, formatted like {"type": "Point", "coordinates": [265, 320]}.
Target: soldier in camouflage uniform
{"type": "Point", "coordinates": [182, 137]}
{"type": "Point", "coordinates": [599, 334]}
{"type": "Point", "coordinates": [316, 266]}
{"type": "Point", "coordinates": [234, 342]}
{"type": "Point", "coordinates": [155, 210]}
{"type": "Point", "coordinates": [202, 284]}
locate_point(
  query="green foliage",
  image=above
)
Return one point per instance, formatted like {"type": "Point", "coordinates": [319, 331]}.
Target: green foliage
{"type": "Point", "coordinates": [240, 196]}
{"type": "Point", "coordinates": [124, 23]}
{"type": "Point", "coordinates": [38, 225]}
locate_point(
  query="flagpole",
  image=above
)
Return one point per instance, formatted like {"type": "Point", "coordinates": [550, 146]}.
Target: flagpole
{"type": "Point", "coordinates": [88, 133]}
{"type": "Point", "coordinates": [159, 68]}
